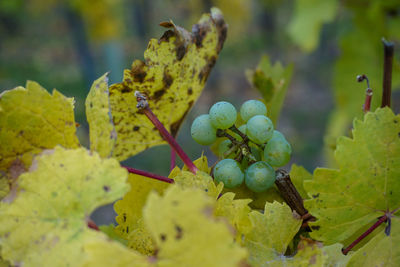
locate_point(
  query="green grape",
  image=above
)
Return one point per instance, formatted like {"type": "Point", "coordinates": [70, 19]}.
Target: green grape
{"type": "Point", "coordinates": [243, 128]}
{"type": "Point", "coordinates": [202, 131]}
{"type": "Point", "coordinates": [277, 151]}
{"type": "Point", "coordinates": [259, 129]}
{"type": "Point", "coordinates": [250, 108]}
{"type": "Point", "coordinates": [222, 115]}
{"type": "Point", "coordinates": [228, 171]}
{"type": "Point", "coordinates": [223, 147]}
{"type": "Point", "coordinates": [259, 176]}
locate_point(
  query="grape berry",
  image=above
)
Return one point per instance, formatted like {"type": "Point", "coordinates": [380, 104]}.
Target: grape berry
{"type": "Point", "coordinates": [247, 153]}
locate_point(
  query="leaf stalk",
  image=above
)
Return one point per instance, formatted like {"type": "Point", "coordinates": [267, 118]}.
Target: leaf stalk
{"type": "Point", "coordinates": [149, 174]}
{"type": "Point", "coordinates": [144, 106]}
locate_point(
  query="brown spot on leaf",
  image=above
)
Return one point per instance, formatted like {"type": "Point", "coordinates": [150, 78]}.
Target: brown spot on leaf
{"type": "Point", "coordinates": [138, 71]}
{"type": "Point", "coordinates": [190, 91]}
{"type": "Point", "coordinates": [199, 31]}
{"type": "Point", "coordinates": [126, 89]}
{"type": "Point", "coordinates": [163, 237]}
{"type": "Point", "coordinates": [136, 128]}
{"type": "Point", "coordinates": [16, 169]}
{"type": "Point", "coordinates": [180, 51]}
{"type": "Point", "coordinates": [167, 80]}
{"type": "Point", "coordinates": [106, 188]}
{"type": "Point", "coordinates": [158, 94]}
{"type": "Point", "coordinates": [222, 29]}
{"type": "Point", "coordinates": [205, 71]}
{"type": "Point", "coordinates": [315, 196]}
{"type": "Point", "coordinates": [174, 128]}
{"type": "Point", "coordinates": [179, 232]}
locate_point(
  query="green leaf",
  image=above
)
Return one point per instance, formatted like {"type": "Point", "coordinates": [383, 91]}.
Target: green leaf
{"type": "Point", "coordinates": [46, 223]}
{"type": "Point", "coordinates": [172, 77]}
{"type": "Point", "coordinates": [272, 81]}
{"type": "Point", "coordinates": [109, 230]}
{"type": "Point", "coordinates": [271, 233]}
{"type": "Point", "coordinates": [309, 16]}
{"type": "Point", "coordinates": [98, 113]}
{"type": "Point", "coordinates": [365, 186]}
{"type": "Point", "coordinates": [381, 250]}
{"type": "Point", "coordinates": [298, 175]}
{"type": "Point", "coordinates": [32, 120]}
{"type": "Point", "coordinates": [187, 233]}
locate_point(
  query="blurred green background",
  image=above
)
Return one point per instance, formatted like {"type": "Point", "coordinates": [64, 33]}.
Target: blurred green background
{"type": "Point", "coordinates": [67, 44]}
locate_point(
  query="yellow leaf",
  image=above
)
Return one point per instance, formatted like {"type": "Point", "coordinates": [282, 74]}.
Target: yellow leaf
{"type": "Point", "coordinates": [236, 211]}
{"type": "Point", "coordinates": [200, 180]}
{"type": "Point", "coordinates": [129, 210]}
{"type": "Point", "coordinates": [46, 223]}
{"type": "Point", "coordinates": [98, 113]}
{"type": "Point", "coordinates": [104, 253]}
{"type": "Point", "coordinates": [32, 120]}
{"type": "Point", "coordinates": [172, 77]}
{"type": "Point", "coordinates": [187, 233]}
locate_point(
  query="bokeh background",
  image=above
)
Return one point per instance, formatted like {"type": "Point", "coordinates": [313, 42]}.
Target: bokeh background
{"type": "Point", "coordinates": [67, 44]}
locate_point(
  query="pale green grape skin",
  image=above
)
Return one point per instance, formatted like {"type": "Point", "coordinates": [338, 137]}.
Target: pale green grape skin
{"type": "Point", "coordinates": [202, 131]}
{"type": "Point", "coordinates": [228, 171]}
{"type": "Point", "coordinates": [222, 115]}
{"type": "Point", "coordinates": [277, 151]}
{"type": "Point", "coordinates": [243, 128]}
{"type": "Point", "coordinates": [259, 177]}
{"type": "Point", "coordinates": [259, 129]}
{"type": "Point", "coordinates": [251, 108]}
{"type": "Point", "coordinates": [277, 134]}
{"type": "Point", "coordinates": [223, 147]}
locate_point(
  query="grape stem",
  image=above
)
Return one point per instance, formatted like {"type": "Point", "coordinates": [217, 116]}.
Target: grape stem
{"type": "Point", "coordinates": [149, 174]}
{"type": "Point", "coordinates": [388, 48]}
{"type": "Point", "coordinates": [290, 194]}
{"type": "Point", "coordinates": [243, 145]}
{"type": "Point", "coordinates": [143, 105]}
{"type": "Point", "coordinates": [234, 129]}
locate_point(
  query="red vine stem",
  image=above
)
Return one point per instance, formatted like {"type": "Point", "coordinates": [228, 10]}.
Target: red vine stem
{"type": "Point", "coordinates": [365, 234]}
{"type": "Point", "coordinates": [144, 105]}
{"type": "Point", "coordinates": [92, 225]}
{"type": "Point", "coordinates": [368, 98]}
{"type": "Point", "coordinates": [149, 175]}
{"type": "Point", "coordinates": [388, 48]}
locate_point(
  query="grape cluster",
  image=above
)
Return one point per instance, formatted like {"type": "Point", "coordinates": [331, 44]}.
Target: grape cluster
{"type": "Point", "coordinates": [249, 152]}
